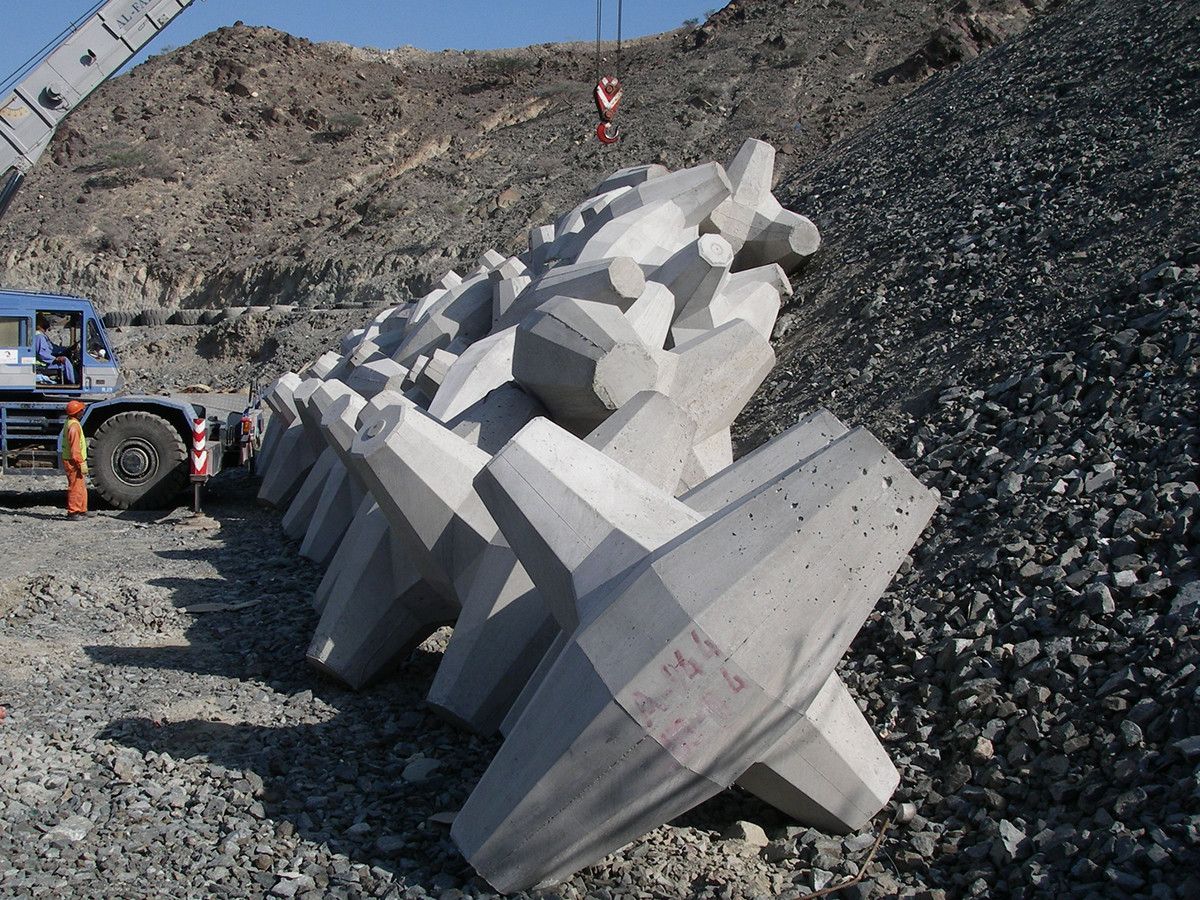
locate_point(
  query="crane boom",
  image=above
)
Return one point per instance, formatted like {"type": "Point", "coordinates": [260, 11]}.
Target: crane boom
{"type": "Point", "coordinates": [90, 53]}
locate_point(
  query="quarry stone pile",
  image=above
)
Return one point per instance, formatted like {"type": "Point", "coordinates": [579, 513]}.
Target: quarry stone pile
{"type": "Point", "coordinates": [538, 453]}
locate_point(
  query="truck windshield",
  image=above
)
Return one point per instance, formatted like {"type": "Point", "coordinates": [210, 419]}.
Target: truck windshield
{"type": "Point", "coordinates": [97, 348]}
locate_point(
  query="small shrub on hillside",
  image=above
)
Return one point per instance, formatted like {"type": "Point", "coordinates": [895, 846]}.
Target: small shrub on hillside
{"type": "Point", "coordinates": [343, 124]}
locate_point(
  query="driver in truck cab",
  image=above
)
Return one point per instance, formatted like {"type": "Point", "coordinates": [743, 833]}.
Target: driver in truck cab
{"type": "Point", "coordinates": [50, 356]}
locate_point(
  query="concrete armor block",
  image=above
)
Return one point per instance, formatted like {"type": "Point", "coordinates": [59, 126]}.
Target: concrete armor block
{"type": "Point", "coordinates": [340, 497]}
{"type": "Point", "coordinates": [433, 373]}
{"type": "Point", "coordinates": [651, 315]}
{"type": "Point", "coordinates": [481, 368]}
{"type": "Point", "coordinates": [650, 435]}
{"type": "Point", "coordinates": [377, 610]}
{"type": "Point", "coordinates": [342, 494]}
{"type": "Point", "coordinates": [649, 235]}
{"type": "Point", "coordinates": [423, 477]}
{"type": "Point", "coordinates": [754, 295]}
{"type": "Point", "coordinates": [504, 295]}
{"type": "Point", "coordinates": [378, 375]}
{"type": "Point", "coordinates": [618, 281]}
{"type": "Point", "coordinates": [464, 311]}
{"type": "Point", "coordinates": [278, 398]}
{"type": "Point", "coordinates": [706, 459]}
{"type": "Point", "coordinates": [297, 451]}
{"type": "Point", "coordinates": [696, 273]}
{"type": "Point", "coordinates": [582, 360]}
{"type": "Point", "coordinates": [541, 239]}
{"type": "Point", "coordinates": [491, 422]}
{"type": "Point", "coordinates": [300, 511]}
{"type": "Point", "coordinates": [643, 716]}
{"type": "Point", "coordinates": [323, 365]}
{"type": "Point", "coordinates": [759, 229]}
{"type": "Point", "coordinates": [630, 177]}
{"type": "Point", "coordinates": [714, 376]}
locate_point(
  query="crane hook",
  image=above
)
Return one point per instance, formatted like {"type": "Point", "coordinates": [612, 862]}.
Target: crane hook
{"type": "Point", "coordinates": [608, 133]}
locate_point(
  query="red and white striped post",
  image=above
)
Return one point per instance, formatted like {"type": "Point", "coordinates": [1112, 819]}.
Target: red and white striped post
{"type": "Point", "coordinates": [199, 459]}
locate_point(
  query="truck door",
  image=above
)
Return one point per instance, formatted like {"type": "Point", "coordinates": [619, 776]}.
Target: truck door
{"type": "Point", "coordinates": [16, 352]}
{"type": "Point", "coordinates": [100, 375]}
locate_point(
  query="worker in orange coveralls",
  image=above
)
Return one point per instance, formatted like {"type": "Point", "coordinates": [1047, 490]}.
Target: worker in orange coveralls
{"type": "Point", "coordinates": [74, 459]}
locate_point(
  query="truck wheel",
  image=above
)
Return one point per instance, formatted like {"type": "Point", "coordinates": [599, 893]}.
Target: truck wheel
{"type": "Point", "coordinates": [138, 461]}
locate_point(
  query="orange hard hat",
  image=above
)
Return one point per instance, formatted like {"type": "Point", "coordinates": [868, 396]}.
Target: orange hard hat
{"type": "Point", "coordinates": [74, 408]}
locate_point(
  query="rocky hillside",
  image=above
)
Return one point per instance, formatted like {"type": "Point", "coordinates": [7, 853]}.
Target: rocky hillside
{"type": "Point", "coordinates": [253, 167]}
{"type": "Point", "coordinates": [1010, 292]}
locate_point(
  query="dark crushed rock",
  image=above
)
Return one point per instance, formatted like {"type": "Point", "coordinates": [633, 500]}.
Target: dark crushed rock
{"type": "Point", "coordinates": [1009, 295]}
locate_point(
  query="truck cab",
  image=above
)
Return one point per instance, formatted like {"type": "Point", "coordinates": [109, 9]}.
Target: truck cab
{"type": "Point", "coordinates": [70, 330]}
{"type": "Point", "coordinates": [53, 348]}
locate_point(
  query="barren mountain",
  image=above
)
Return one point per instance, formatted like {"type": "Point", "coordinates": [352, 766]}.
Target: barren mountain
{"type": "Point", "coordinates": [255, 168]}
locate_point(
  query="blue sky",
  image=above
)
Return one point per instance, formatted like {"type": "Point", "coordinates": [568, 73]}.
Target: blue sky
{"type": "Point", "coordinates": [436, 25]}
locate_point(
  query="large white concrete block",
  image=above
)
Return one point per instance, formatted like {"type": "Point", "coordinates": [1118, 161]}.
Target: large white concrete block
{"type": "Point", "coordinates": [294, 455]}
{"type": "Point", "coordinates": [759, 229]}
{"type": "Point", "coordinates": [340, 497]}
{"type": "Point", "coordinates": [714, 376]}
{"type": "Point", "coordinates": [650, 435]}
{"type": "Point", "coordinates": [278, 398]}
{"type": "Point", "coordinates": [377, 611]}
{"type": "Point", "coordinates": [433, 373]}
{"type": "Point", "coordinates": [651, 315]}
{"type": "Point", "coordinates": [464, 311]}
{"type": "Point", "coordinates": [618, 280]}
{"type": "Point", "coordinates": [369, 378]}
{"type": "Point", "coordinates": [696, 273]}
{"type": "Point", "coordinates": [491, 421]}
{"type": "Point", "coordinates": [632, 176]}
{"type": "Point", "coordinates": [643, 716]}
{"type": "Point", "coordinates": [582, 360]}
{"type": "Point", "coordinates": [300, 511]}
{"type": "Point", "coordinates": [649, 235]}
{"type": "Point", "coordinates": [422, 476]}
{"type": "Point", "coordinates": [705, 459]}
{"type": "Point", "coordinates": [481, 368]}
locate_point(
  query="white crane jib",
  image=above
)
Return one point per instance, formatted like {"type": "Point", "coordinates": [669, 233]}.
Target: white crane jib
{"type": "Point", "coordinates": [92, 51]}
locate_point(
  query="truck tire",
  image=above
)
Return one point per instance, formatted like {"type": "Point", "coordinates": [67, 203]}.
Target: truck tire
{"type": "Point", "coordinates": [153, 317]}
{"type": "Point", "coordinates": [210, 316]}
{"type": "Point", "coordinates": [187, 317]}
{"type": "Point", "coordinates": [117, 319]}
{"type": "Point", "coordinates": [138, 461]}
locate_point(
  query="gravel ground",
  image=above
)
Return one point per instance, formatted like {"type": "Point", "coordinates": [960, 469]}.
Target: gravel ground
{"type": "Point", "coordinates": [160, 743]}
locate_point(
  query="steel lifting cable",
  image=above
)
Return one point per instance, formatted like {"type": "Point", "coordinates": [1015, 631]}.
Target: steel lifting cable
{"type": "Point", "coordinates": [608, 87]}
{"type": "Point", "coordinates": [600, 33]}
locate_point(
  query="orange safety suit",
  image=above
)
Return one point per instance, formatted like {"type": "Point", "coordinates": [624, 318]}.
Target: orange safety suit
{"type": "Point", "coordinates": [74, 458]}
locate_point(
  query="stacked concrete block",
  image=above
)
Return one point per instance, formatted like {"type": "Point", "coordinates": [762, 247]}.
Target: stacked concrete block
{"type": "Point", "coordinates": [582, 360]}
{"type": "Point", "coordinates": [295, 453]}
{"type": "Point", "coordinates": [342, 494]}
{"type": "Point", "coordinates": [433, 373]}
{"type": "Point", "coordinates": [370, 378]}
{"type": "Point", "coordinates": [616, 280]}
{"type": "Point", "coordinates": [278, 399]}
{"type": "Point", "coordinates": [375, 608]}
{"type": "Point", "coordinates": [539, 454]}
{"type": "Point", "coordinates": [694, 660]}
{"type": "Point", "coordinates": [462, 312]}
{"type": "Point", "coordinates": [423, 476]}
{"type": "Point", "coordinates": [760, 230]}
{"type": "Point", "coordinates": [480, 369]}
